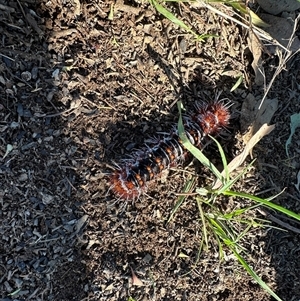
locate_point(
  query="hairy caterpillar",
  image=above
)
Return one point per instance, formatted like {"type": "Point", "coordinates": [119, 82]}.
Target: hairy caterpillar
{"type": "Point", "coordinates": [132, 176]}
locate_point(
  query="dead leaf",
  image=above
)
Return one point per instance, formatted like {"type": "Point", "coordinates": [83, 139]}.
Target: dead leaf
{"type": "Point", "coordinates": [135, 279]}
{"type": "Point", "coordinates": [253, 118]}
{"type": "Point", "coordinates": [294, 124]}
{"type": "Point", "coordinates": [265, 113]}
{"type": "Point", "coordinates": [255, 47]}
{"type": "Point", "coordinates": [120, 6]}
{"type": "Point", "coordinates": [238, 160]}
{"type": "Point", "coordinates": [62, 33]}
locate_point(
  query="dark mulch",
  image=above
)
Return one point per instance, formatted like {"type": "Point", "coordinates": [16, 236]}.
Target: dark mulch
{"type": "Point", "coordinates": [78, 91]}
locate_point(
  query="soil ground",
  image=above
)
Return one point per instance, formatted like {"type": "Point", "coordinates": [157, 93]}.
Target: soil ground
{"type": "Point", "coordinates": [81, 88]}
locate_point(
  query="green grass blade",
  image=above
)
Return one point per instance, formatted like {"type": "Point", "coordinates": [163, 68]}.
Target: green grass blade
{"type": "Point", "coordinates": [255, 19]}
{"type": "Point", "coordinates": [203, 221]}
{"type": "Point", "coordinates": [263, 202]}
{"type": "Point", "coordinates": [238, 82]}
{"type": "Point", "coordinates": [188, 186]}
{"type": "Point", "coordinates": [220, 247]}
{"type": "Point", "coordinates": [167, 14]}
{"type": "Point", "coordinates": [243, 233]}
{"type": "Point", "coordinates": [217, 228]}
{"type": "Point", "coordinates": [217, 236]}
{"type": "Point", "coordinates": [238, 212]}
{"type": "Point", "coordinates": [253, 274]}
{"type": "Point", "coordinates": [195, 151]}
{"type": "Point", "coordinates": [223, 157]}
{"type": "Point", "coordinates": [111, 13]}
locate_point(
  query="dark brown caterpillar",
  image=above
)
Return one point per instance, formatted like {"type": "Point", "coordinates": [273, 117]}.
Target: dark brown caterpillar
{"type": "Point", "coordinates": [131, 177]}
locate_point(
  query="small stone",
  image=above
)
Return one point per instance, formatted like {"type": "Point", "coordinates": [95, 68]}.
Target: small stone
{"type": "Point", "coordinates": [47, 198]}
{"type": "Point", "coordinates": [23, 177]}
{"type": "Point", "coordinates": [147, 258]}
{"type": "Point", "coordinates": [26, 75]}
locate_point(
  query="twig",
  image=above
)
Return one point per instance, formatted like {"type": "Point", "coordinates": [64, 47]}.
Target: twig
{"type": "Point", "coordinates": [94, 104]}
{"type": "Point", "coordinates": [22, 10]}
{"type": "Point", "coordinates": [69, 111]}
{"type": "Point", "coordinates": [283, 59]}
{"type": "Point", "coordinates": [7, 8]}
{"type": "Point", "coordinates": [7, 57]}
{"type": "Point", "coordinates": [104, 100]}
{"type": "Point", "coordinates": [279, 222]}
{"type": "Point", "coordinates": [70, 183]}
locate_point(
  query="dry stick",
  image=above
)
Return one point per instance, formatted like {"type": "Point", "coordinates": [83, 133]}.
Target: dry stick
{"type": "Point", "coordinates": [282, 60]}
{"type": "Point", "coordinates": [70, 183]}
{"type": "Point", "coordinates": [7, 57]}
{"type": "Point", "coordinates": [69, 111]}
{"type": "Point", "coordinates": [96, 105]}
{"type": "Point", "coordinates": [22, 10]}
{"type": "Point", "coordinates": [103, 99]}
{"type": "Point", "coordinates": [278, 221]}
{"type": "Point", "coordinates": [7, 8]}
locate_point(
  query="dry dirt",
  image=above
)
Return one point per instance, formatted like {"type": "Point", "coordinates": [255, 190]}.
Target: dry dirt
{"type": "Point", "coordinates": [79, 89]}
